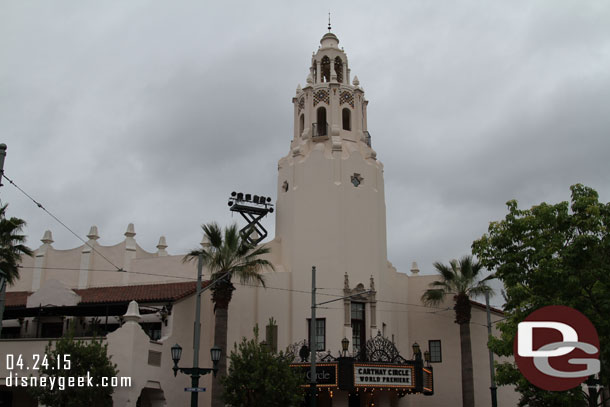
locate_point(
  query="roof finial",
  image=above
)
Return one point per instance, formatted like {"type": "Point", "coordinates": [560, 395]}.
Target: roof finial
{"type": "Point", "coordinates": [328, 20]}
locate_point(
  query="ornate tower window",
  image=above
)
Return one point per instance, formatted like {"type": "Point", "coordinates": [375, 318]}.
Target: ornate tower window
{"type": "Point", "coordinates": [321, 127]}
{"type": "Point", "coordinates": [325, 69]}
{"type": "Point", "coordinates": [347, 119]}
{"type": "Point", "coordinates": [339, 69]}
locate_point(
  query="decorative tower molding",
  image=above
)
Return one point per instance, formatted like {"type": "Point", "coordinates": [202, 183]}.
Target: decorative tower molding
{"type": "Point", "coordinates": [161, 246]}
{"type": "Point", "coordinates": [86, 258]}
{"type": "Point", "coordinates": [133, 313]}
{"type": "Point", "coordinates": [40, 260]}
{"type": "Point", "coordinates": [414, 268]}
{"type": "Point", "coordinates": [93, 233]}
{"type": "Point", "coordinates": [130, 250]}
{"type": "Point", "coordinates": [47, 238]}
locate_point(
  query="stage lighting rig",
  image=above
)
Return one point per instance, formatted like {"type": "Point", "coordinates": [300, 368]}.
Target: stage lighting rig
{"type": "Point", "coordinates": [252, 208]}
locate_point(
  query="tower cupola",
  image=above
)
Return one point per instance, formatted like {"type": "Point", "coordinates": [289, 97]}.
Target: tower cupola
{"type": "Point", "coordinates": [330, 106]}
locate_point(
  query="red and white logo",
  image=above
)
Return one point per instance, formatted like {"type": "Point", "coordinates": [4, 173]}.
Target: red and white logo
{"type": "Point", "coordinates": [557, 348]}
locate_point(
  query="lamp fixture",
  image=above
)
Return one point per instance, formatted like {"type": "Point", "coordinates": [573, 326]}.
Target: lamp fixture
{"type": "Point", "coordinates": [345, 345]}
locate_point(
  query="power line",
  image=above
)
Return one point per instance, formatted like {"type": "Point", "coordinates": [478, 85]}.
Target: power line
{"type": "Point", "coordinates": [234, 282]}
{"type": "Point", "coordinates": [119, 269]}
{"type": "Point", "coordinates": [59, 221]}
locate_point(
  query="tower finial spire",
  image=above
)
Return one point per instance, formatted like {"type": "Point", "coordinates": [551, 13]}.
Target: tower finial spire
{"type": "Point", "coordinates": [329, 21]}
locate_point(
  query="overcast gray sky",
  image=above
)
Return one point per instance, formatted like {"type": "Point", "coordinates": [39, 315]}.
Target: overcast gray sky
{"type": "Point", "coordinates": [153, 112]}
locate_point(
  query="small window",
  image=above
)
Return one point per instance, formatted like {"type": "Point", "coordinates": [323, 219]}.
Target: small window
{"type": "Point", "coordinates": [154, 358]}
{"type": "Point", "coordinates": [347, 119]}
{"type": "Point", "coordinates": [11, 332]}
{"type": "Point", "coordinates": [356, 180]}
{"type": "Point", "coordinates": [435, 351]}
{"type": "Point", "coordinates": [320, 337]}
{"type": "Point", "coordinates": [52, 330]}
{"type": "Point", "coordinates": [152, 329]}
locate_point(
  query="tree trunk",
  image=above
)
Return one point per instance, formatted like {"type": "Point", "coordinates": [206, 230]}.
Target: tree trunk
{"type": "Point", "coordinates": [221, 320]}
{"type": "Point", "coordinates": [462, 317]}
{"type": "Point", "coordinates": [467, 376]}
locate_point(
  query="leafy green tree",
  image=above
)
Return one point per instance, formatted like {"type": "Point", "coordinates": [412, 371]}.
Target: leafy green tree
{"type": "Point", "coordinates": [228, 255]}
{"type": "Point", "coordinates": [551, 255]}
{"type": "Point", "coordinates": [12, 248]}
{"type": "Point", "coordinates": [260, 378]}
{"type": "Point", "coordinates": [84, 358]}
{"type": "Point", "coordinates": [463, 280]}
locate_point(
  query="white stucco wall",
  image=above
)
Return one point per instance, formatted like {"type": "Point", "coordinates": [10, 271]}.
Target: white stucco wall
{"type": "Point", "coordinates": [322, 220]}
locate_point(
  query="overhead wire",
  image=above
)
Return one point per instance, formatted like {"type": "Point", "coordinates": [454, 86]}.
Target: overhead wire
{"type": "Point", "coordinates": [38, 204]}
{"type": "Point", "coordinates": [119, 269]}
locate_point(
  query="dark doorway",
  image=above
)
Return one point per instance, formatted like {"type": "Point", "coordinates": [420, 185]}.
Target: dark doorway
{"type": "Point", "coordinates": [321, 126]}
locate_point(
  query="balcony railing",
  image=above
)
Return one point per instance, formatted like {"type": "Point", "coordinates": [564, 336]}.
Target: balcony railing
{"type": "Point", "coordinates": [320, 130]}
{"type": "Point", "coordinates": [367, 138]}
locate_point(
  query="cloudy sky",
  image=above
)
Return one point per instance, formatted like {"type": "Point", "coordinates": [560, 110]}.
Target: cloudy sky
{"type": "Point", "coordinates": [153, 112]}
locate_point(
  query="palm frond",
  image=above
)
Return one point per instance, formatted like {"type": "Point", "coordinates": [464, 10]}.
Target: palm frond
{"type": "Point", "coordinates": [447, 273]}
{"type": "Point", "coordinates": [459, 277]}
{"type": "Point", "coordinates": [433, 296]}
{"type": "Point", "coordinates": [12, 248]}
{"type": "Point", "coordinates": [230, 253]}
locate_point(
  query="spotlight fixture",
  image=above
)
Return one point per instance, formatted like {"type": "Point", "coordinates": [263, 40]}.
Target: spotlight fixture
{"type": "Point", "coordinates": [252, 208]}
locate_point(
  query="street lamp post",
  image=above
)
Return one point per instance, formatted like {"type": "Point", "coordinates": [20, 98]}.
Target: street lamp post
{"type": "Point", "coordinates": [216, 352]}
{"type": "Point", "coordinates": [312, 327]}
{"type": "Point", "coordinates": [195, 372]}
{"type": "Point", "coordinates": [416, 351]}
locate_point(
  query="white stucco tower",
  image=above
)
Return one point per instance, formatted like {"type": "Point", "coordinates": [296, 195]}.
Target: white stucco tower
{"type": "Point", "coordinates": [331, 206]}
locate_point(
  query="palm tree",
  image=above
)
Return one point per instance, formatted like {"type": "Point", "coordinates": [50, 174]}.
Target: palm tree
{"type": "Point", "coordinates": [228, 255]}
{"type": "Point", "coordinates": [11, 251]}
{"type": "Point", "coordinates": [463, 280]}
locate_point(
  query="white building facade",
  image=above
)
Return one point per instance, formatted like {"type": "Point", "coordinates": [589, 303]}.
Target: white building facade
{"type": "Point", "coordinates": [330, 213]}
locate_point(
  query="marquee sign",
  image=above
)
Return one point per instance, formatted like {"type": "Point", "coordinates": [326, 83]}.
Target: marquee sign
{"type": "Point", "coordinates": [378, 367]}
{"type": "Point", "coordinates": [326, 373]}
{"type": "Point", "coordinates": [428, 380]}
{"type": "Point", "coordinates": [384, 375]}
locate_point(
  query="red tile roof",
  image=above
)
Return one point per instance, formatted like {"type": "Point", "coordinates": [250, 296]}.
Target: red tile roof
{"type": "Point", "coordinates": [16, 298]}
{"type": "Point", "coordinates": [139, 293]}
{"type": "Point", "coordinates": [492, 309]}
